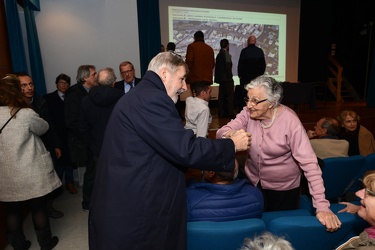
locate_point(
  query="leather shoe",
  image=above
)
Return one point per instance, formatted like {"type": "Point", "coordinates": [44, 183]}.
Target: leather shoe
{"type": "Point", "coordinates": [54, 214]}
{"type": "Point", "coordinates": [70, 187]}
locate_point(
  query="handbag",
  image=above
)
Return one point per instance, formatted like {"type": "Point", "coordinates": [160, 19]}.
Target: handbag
{"type": "Point", "coordinates": [1, 129]}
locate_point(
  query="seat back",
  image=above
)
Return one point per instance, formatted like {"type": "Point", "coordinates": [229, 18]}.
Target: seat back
{"type": "Point", "coordinates": [226, 235]}
{"type": "Point", "coordinates": [307, 233]}
{"type": "Point", "coordinates": [368, 165]}
{"type": "Point", "coordinates": [340, 173]}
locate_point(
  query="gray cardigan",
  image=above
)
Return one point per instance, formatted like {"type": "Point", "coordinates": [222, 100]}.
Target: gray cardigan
{"type": "Point", "coordinates": [26, 168]}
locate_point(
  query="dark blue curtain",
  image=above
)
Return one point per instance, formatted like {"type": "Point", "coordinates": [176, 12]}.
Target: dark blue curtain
{"type": "Point", "coordinates": [149, 31]}
{"type": "Point", "coordinates": [16, 42]}
{"type": "Point", "coordinates": [35, 56]}
{"type": "Point", "coordinates": [370, 100]}
{"type": "Point", "coordinates": [17, 49]}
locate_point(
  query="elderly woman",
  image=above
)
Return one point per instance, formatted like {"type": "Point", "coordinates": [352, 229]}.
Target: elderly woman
{"type": "Point", "coordinates": [366, 240]}
{"type": "Point", "coordinates": [26, 170]}
{"type": "Point", "coordinates": [361, 141]}
{"type": "Point", "coordinates": [279, 150]}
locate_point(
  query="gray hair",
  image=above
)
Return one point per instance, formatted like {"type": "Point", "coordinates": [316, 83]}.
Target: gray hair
{"type": "Point", "coordinates": [108, 77]}
{"type": "Point", "coordinates": [266, 241]}
{"type": "Point", "coordinates": [167, 59]}
{"type": "Point", "coordinates": [83, 71]}
{"type": "Point", "coordinates": [274, 90]}
{"type": "Point", "coordinates": [332, 126]}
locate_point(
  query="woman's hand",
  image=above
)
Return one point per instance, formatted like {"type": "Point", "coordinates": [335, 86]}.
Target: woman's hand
{"type": "Point", "coordinates": [329, 220]}
{"type": "Point", "coordinates": [350, 208]}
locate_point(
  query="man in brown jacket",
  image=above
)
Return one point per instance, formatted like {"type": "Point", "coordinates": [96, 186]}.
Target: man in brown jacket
{"type": "Point", "coordinates": [200, 60]}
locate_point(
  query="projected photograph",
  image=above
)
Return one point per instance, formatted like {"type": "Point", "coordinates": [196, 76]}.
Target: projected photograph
{"type": "Point", "coordinates": [218, 24]}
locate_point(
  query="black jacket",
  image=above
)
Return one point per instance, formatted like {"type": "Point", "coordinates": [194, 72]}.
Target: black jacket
{"type": "Point", "coordinates": [73, 99]}
{"type": "Point", "coordinates": [96, 108]}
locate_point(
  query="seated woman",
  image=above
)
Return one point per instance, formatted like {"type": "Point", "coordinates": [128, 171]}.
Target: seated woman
{"type": "Point", "coordinates": [366, 240]}
{"type": "Point", "coordinates": [361, 141]}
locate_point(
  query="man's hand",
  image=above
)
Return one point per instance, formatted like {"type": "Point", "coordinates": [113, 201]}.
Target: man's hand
{"type": "Point", "coordinates": [241, 139]}
{"type": "Point", "coordinates": [329, 220]}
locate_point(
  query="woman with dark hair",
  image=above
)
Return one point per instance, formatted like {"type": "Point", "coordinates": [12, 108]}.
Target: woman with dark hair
{"type": "Point", "coordinates": [26, 170]}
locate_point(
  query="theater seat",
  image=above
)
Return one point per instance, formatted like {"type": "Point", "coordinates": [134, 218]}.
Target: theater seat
{"type": "Point", "coordinates": [307, 233]}
{"type": "Point", "coordinates": [227, 235]}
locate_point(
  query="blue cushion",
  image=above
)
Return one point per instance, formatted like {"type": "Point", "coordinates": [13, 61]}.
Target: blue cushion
{"type": "Point", "coordinates": [207, 235]}
{"type": "Point", "coordinates": [307, 233]}
{"type": "Point", "coordinates": [269, 216]}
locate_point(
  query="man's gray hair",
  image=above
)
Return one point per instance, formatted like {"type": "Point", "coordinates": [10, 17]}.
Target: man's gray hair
{"type": "Point", "coordinates": [167, 59]}
{"type": "Point", "coordinates": [106, 77]}
{"type": "Point", "coordinates": [83, 71]}
{"type": "Point", "coordinates": [274, 90]}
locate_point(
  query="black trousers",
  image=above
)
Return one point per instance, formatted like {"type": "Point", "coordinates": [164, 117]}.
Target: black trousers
{"type": "Point", "coordinates": [280, 200]}
{"type": "Point", "coordinates": [225, 100]}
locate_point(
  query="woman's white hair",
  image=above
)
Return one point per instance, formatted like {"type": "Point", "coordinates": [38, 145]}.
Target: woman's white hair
{"type": "Point", "coordinates": [274, 90]}
{"type": "Point", "coordinates": [266, 241]}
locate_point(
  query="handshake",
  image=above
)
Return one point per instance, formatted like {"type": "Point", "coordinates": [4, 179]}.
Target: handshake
{"type": "Point", "coordinates": [240, 138]}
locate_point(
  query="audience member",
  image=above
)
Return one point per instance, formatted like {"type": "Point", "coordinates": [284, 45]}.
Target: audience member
{"type": "Point", "coordinates": [197, 111]}
{"type": "Point", "coordinates": [55, 102]}
{"type": "Point", "coordinates": [324, 139]}
{"type": "Point", "coordinates": [50, 139]}
{"type": "Point", "coordinates": [200, 60]}
{"type": "Point", "coordinates": [366, 240]}
{"type": "Point", "coordinates": [162, 48]}
{"type": "Point", "coordinates": [224, 76]}
{"type": "Point", "coordinates": [280, 150]}
{"type": "Point", "coordinates": [266, 241]}
{"type": "Point", "coordinates": [361, 141]}
{"type": "Point", "coordinates": [250, 65]}
{"type": "Point", "coordinates": [140, 174]}
{"type": "Point", "coordinates": [222, 197]}
{"type": "Point", "coordinates": [79, 153]}
{"type": "Point", "coordinates": [96, 108]}
{"type": "Point", "coordinates": [129, 80]}
{"type": "Point", "coordinates": [26, 172]}
{"type": "Point", "coordinates": [171, 47]}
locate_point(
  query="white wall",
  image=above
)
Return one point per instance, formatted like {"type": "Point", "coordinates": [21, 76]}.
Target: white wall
{"type": "Point", "coordinates": [75, 32]}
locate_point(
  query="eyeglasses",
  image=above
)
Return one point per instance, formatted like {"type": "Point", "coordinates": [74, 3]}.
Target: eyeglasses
{"type": "Point", "coordinates": [253, 101]}
{"type": "Point", "coordinates": [369, 192]}
{"type": "Point", "coordinates": [127, 72]}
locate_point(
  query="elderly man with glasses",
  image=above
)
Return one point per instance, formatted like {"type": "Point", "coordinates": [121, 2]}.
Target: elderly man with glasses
{"type": "Point", "coordinates": [127, 73]}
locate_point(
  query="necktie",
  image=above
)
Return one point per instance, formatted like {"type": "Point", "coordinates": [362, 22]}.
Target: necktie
{"type": "Point", "coordinates": [62, 97]}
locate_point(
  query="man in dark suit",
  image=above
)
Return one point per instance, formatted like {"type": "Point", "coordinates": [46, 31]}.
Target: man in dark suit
{"type": "Point", "coordinates": [55, 101]}
{"type": "Point", "coordinates": [79, 153]}
{"type": "Point", "coordinates": [129, 80]}
{"type": "Point", "coordinates": [139, 198]}
{"type": "Point", "coordinates": [251, 64]}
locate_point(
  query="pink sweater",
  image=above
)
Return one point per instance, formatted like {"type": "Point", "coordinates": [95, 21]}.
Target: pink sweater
{"type": "Point", "coordinates": [277, 154]}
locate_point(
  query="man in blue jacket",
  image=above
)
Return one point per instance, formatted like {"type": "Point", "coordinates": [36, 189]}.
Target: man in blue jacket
{"type": "Point", "coordinates": [139, 195]}
{"type": "Point", "coordinates": [222, 197]}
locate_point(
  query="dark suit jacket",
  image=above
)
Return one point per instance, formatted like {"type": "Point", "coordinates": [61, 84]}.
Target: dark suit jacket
{"type": "Point", "coordinates": [120, 84]}
{"type": "Point", "coordinates": [77, 147]}
{"type": "Point", "coordinates": [139, 196]}
{"type": "Point", "coordinates": [56, 108]}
